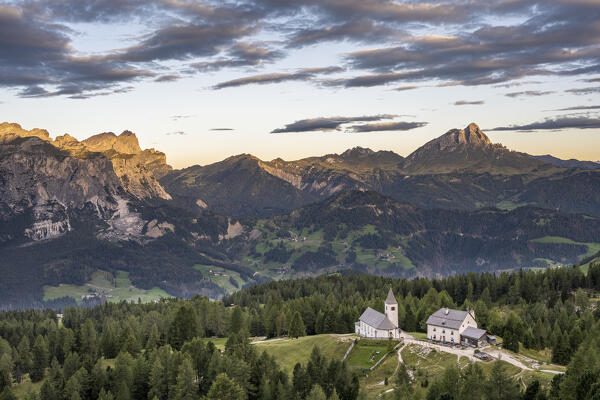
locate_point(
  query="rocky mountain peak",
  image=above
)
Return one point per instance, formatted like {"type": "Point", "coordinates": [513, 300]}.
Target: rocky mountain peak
{"type": "Point", "coordinates": [357, 152]}
{"type": "Point", "coordinates": [8, 129]}
{"type": "Point", "coordinates": [471, 135]}
{"type": "Point", "coordinates": [125, 143]}
{"type": "Point", "coordinates": [454, 139]}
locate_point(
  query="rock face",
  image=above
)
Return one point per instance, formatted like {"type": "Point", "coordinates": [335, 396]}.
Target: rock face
{"type": "Point", "coordinates": [45, 183]}
{"type": "Point", "coordinates": [135, 168]}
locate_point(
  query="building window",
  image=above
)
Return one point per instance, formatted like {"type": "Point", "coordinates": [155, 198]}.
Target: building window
{"type": "Point", "coordinates": [393, 308]}
{"type": "Point", "coordinates": [434, 329]}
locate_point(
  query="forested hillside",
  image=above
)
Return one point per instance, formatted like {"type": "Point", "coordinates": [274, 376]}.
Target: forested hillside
{"type": "Point", "coordinates": [167, 349]}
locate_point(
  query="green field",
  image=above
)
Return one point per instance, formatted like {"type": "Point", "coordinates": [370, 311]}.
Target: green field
{"type": "Point", "coordinates": [288, 352]}
{"type": "Point", "coordinates": [593, 248]}
{"type": "Point", "coordinates": [218, 342]}
{"type": "Point", "coordinates": [367, 353]}
{"type": "Point", "coordinates": [509, 205]}
{"type": "Point", "coordinates": [116, 289]}
{"type": "Point", "coordinates": [221, 277]}
{"type": "Point", "coordinates": [372, 383]}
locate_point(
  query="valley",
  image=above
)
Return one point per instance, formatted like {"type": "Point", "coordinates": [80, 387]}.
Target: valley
{"type": "Point", "coordinates": [459, 203]}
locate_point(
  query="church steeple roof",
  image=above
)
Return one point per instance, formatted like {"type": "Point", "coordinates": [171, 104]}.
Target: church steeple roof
{"type": "Point", "coordinates": [390, 298]}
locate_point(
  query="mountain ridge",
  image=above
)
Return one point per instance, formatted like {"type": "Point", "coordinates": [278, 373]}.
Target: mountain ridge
{"type": "Point", "coordinates": [461, 169]}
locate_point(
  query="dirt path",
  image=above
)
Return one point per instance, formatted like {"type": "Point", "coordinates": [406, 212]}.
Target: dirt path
{"type": "Point", "coordinates": [397, 365]}
{"type": "Point", "coordinates": [469, 353]}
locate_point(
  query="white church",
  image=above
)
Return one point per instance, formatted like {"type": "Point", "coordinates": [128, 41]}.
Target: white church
{"type": "Point", "coordinates": [373, 324]}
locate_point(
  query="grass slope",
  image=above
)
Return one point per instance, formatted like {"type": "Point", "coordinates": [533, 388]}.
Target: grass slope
{"type": "Point", "coordinates": [366, 354]}
{"type": "Point", "coordinates": [116, 289]}
{"type": "Point", "coordinates": [288, 352]}
{"type": "Point", "coordinates": [593, 248]}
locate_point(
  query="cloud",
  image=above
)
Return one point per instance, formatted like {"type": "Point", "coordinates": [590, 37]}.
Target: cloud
{"type": "Point", "coordinates": [585, 90]}
{"type": "Point", "coordinates": [468, 103]}
{"type": "Point", "coordinates": [176, 133]}
{"type": "Point", "coordinates": [592, 80]}
{"type": "Point", "coordinates": [242, 54]}
{"type": "Point", "coordinates": [222, 129]}
{"type": "Point", "coordinates": [361, 31]}
{"type": "Point", "coordinates": [578, 108]}
{"type": "Point", "coordinates": [386, 126]}
{"type": "Point", "coordinates": [167, 78]}
{"type": "Point", "coordinates": [179, 117]}
{"type": "Point", "coordinates": [303, 74]}
{"type": "Point", "coordinates": [469, 42]}
{"type": "Point", "coordinates": [558, 123]}
{"type": "Point", "coordinates": [403, 88]}
{"type": "Point", "coordinates": [38, 57]}
{"type": "Point", "coordinates": [328, 123]}
{"type": "Point", "coordinates": [264, 79]}
{"type": "Point", "coordinates": [181, 42]}
{"type": "Point", "coordinates": [529, 93]}
{"type": "Point", "coordinates": [490, 54]}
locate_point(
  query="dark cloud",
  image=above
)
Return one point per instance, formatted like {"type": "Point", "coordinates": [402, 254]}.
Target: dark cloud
{"type": "Point", "coordinates": [552, 38]}
{"type": "Point", "coordinates": [222, 129]}
{"type": "Point", "coordinates": [167, 78]}
{"type": "Point", "coordinates": [592, 80]}
{"type": "Point", "coordinates": [386, 126]}
{"type": "Point", "coordinates": [529, 93]}
{"type": "Point", "coordinates": [38, 57]}
{"type": "Point", "coordinates": [578, 108]}
{"type": "Point", "coordinates": [328, 123]}
{"type": "Point", "coordinates": [92, 11]}
{"type": "Point", "coordinates": [264, 79]}
{"type": "Point", "coordinates": [181, 42]}
{"type": "Point", "coordinates": [323, 70]}
{"type": "Point", "coordinates": [558, 123]}
{"type": "Point", "coordinates": [586, 90]}
{"type": "Point", "coordinates": [403, 88]}
{"type": "Point", "coordinates": [361, 31]}
{"type": "Point", "coordinates": [468, 103]}
{"type": "Point", "coordinates": [242, 54]}
{"type": "Point", "coordinates": [303, 74]}
{"type": "Point", "coordinates": [492, 54]}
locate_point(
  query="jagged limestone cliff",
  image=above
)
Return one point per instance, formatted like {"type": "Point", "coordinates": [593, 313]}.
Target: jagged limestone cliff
{"type": "Point", "coordinates": [44, 183]}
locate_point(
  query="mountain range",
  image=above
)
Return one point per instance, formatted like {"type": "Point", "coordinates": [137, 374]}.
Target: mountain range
{"type": "Point", "coordinates": [71, 208]}
{"type": "Point", "coordinates": [461, 169]}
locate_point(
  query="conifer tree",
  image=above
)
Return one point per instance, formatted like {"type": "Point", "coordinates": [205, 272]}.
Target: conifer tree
{"type": "Point", "coordinates": [184, 327]}
{"type": "Point", "coordinates": [316, 393]}
{"type": "Point", "coordinates": [186, 388]}
{"type": "Point", "coordinates": [40, 359]}
{"type": "Point", "coordinates": [225, 388]}
{"type": "Point", "coordinates": [237, 320]}
{"type": "Point", "coordinates": [500, 386]}
{"type": "Point", "coordinates": [297, 327]}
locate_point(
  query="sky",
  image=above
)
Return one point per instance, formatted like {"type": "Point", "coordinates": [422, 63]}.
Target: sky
{"type": "Point", "coordinates": [204, 80]}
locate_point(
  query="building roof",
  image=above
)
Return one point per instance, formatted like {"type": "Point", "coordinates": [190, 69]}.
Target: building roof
{"type": "Point", "coordinates": [447, 318]}
{"type": "Point", "coordinates": [390, 298]}
{"type": "Point", "coordinates": [473, 333]}
{"type": "Point", "coordinates": [376, 319]}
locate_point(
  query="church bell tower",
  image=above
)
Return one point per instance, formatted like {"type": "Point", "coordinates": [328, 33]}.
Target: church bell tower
{"type": "Point", "coordinates": [391, 308]}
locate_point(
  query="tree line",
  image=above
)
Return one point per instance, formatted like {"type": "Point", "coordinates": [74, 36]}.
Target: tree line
{"type": "Point", "coordinates": [158, 350]}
